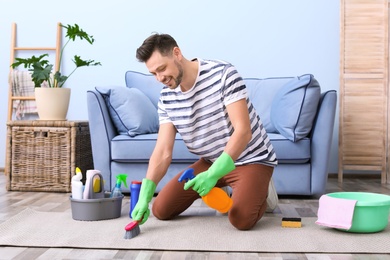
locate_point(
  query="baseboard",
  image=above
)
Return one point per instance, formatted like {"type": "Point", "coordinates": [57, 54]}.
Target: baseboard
{"type": "Point", "coordinates": [356, 175]}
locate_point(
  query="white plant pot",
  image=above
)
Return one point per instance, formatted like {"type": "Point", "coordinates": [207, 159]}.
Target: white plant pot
{"type": "Point", "coordinates": [52, 103]}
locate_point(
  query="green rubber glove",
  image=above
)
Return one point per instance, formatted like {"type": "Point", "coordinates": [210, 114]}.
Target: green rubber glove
{"type": "Point", "coordinates": [205, 181]}
{"type": "Point", "coordinates": [141, 210]}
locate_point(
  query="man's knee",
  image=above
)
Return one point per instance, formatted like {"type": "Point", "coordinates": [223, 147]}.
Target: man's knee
{"type": "Point", "coordinates": [160, 212]}
{"type": "Point", "coordinates": [245, 219]}
{"type": "Point", "coordinates": [241, 222]}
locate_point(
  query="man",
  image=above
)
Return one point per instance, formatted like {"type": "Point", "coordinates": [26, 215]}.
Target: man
{"type": "Point", "coordinates": [207, 103]}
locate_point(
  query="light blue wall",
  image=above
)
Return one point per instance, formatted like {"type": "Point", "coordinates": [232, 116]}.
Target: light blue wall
{"type": "Point", "coordinates": [261, 38]}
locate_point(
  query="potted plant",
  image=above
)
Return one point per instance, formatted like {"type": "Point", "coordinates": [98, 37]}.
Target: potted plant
{"type": "Point", "coordinates": [42, 73]}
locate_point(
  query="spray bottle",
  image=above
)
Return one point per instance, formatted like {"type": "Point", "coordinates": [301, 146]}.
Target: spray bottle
{"type": "Point", "coordinates": [116, 192]}
{"type": "Point", "coordinates": [216, 198]}
{"type": "Point", "coordinates": [77, 185]}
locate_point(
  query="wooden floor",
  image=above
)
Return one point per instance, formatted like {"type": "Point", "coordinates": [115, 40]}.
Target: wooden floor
{"type": "Point", "coordinates": [12, 203]}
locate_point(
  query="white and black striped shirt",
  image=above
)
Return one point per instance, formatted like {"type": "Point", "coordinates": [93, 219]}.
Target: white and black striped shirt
{"type": "Point", "coordinates": [201, 118]}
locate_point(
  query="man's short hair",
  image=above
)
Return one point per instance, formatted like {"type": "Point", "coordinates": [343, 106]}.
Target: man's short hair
{"type": "Point", "coordinates": [164, 43]}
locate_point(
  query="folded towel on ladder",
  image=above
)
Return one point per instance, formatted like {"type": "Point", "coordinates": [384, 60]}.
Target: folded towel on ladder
{"type": "Point", "coordinates": [22, 86]}
{"type": "Point", "coordinates": [335, 212]}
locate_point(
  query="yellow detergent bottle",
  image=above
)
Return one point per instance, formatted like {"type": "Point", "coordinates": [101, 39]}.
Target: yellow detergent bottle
{"type": "Point", "coordinates": [216, 198]}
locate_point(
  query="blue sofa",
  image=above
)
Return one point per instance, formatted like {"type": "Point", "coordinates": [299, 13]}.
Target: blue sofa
{"type": "Point", "coordinates": [299, 120]}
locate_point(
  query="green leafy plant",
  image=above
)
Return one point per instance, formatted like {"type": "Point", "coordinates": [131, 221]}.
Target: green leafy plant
{"type": "Point", "coordinates": [41, 68]}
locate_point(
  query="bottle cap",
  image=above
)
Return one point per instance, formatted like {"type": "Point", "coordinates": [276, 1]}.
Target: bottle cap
{"type": "Point", "coordinates": [78, 176]}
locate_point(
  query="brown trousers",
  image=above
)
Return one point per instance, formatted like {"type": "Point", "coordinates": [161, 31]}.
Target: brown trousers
{"type": "Point", "coordinates": [250, 188]}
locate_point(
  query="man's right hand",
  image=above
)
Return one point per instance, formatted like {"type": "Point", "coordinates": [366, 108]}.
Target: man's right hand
{"type": "Point", "coordinates": [141, 210]}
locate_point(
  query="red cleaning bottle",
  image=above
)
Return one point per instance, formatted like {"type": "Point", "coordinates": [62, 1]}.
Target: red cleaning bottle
{"type": "Point", "coordinates": [216, 198]}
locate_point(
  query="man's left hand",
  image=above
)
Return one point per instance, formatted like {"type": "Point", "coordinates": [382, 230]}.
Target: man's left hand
{"type": "Point", "coordinates": [205, 181]}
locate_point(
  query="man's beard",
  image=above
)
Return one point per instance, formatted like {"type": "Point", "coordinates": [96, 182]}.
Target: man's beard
{"type": "Point", "coordinates": [179, 77]}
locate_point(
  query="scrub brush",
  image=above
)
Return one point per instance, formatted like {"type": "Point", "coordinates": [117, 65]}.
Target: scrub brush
{"type": "Point", "coordinates": [132, 230]}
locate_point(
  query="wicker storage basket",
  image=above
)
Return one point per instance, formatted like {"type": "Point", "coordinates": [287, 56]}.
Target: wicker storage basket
{"type": "Point", "coordinates": [43, 155]}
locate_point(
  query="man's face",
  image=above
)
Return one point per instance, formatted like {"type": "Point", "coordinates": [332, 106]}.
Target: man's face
{"type": "Point", "coordinates": [166, 69]}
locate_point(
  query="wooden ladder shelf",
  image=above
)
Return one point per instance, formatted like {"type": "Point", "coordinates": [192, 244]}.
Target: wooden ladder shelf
{"type": "Point", "coordinates": [15, 49]}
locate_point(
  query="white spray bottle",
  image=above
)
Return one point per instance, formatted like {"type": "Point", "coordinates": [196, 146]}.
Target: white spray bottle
{"type": "Point", "coordinates": [77, 185]}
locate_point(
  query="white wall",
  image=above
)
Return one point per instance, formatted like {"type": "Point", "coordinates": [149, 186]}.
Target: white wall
{"type": "Point", "coordinates": [261, 38]}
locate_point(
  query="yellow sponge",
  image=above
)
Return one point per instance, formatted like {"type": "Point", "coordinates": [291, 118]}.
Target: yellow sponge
{"type": "Point", "coordinates": [291, 222]}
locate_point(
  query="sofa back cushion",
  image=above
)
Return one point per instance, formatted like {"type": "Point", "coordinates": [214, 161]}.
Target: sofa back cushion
{"type": "Point", "coordinates": [261, 93]}
{"type": "Point", "coordinates": [295, 106]}
{"type": "Point", "coordinates": [131, 111]}
{"type": "Point", "coordinates": [146, 83]}
{"type": "Point", "coordinates": [286, 105]}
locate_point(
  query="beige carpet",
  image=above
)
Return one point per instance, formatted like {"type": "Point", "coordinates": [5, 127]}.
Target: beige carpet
{"type": "Point", "coordinates": [209, 233]}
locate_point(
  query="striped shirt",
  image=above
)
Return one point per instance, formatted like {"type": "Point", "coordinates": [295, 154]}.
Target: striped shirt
{"type": "Point", "coordinates": [201, 118]}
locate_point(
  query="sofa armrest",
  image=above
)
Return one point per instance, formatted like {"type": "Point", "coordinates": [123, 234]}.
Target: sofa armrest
{"type": "Point", "coordinates": [321, 141]}
{"type": "Point", "coordinates": [102, 131]}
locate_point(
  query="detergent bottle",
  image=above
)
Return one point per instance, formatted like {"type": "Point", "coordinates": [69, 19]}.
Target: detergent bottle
{"type": "Point", "coordinates": [77, 185]}
{"type": "Point", "coordinates": [135, 189]}
{"type": "Point", "coordinates": [116, 191]}
{"type": "Point", "coordinates": [216, 198]}
{"type": "Point", "coordinates": [94, 187]}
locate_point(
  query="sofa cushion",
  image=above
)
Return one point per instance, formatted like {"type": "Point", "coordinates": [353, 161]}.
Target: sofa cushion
{"type": "Point", "coordinates": [261, 93]}
{"type": "Point", "coordinates": [290, 152]}
{"type": "Point", "coordinates": [294, 107]}
{"type": "Point", "coordinates": [147, 83]}
{"type": "Point", "coordinates": [131, 111]}
{"type": "Point", "coordinates": [140, 148]}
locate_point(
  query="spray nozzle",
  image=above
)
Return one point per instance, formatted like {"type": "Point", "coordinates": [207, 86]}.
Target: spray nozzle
{"type": "Point", "coordinates": [121, 178]}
